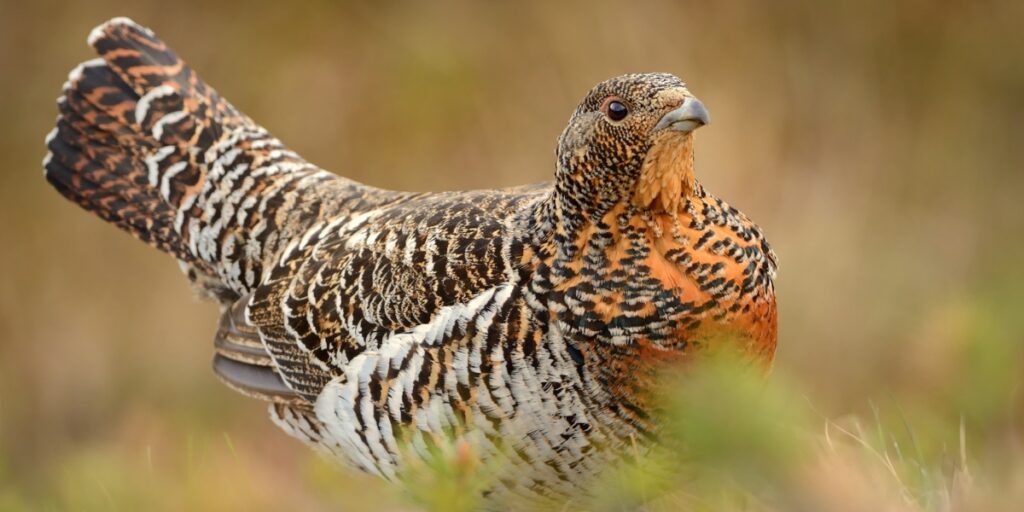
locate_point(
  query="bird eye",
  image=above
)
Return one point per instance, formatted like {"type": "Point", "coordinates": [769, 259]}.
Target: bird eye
{"type": "Point", "coordinates": [616, 111]}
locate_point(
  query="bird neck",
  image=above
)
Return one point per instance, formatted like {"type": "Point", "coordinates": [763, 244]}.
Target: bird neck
{"type": "Point", "coordinates": [666, 176]}
{"type": "Point", "coordinates": [659, 185]}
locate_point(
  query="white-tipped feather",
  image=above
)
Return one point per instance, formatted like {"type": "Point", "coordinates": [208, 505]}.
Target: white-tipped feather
{"type": "Point", "coordinates": [169, 174]}
{"type": "Point", "coordinates": [173, 117]}
{"type": "Point", "coordinates": [142, 107]}
{"type": "Point", "coordinates": [153, 164]}
{"type": "Point", "coordinates": [101, 29]}
{"type": "Point", "coordinates": [76, 73]}
{"type": "Point", "coordinates": [50, 136]}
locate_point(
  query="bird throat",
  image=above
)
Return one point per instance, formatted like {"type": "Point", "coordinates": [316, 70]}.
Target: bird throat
{"type": "Point", "coordinates": [666, 176]}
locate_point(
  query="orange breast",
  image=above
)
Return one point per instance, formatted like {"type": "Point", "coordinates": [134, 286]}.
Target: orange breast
{"type": "Point", "coordinates": [690, 280]}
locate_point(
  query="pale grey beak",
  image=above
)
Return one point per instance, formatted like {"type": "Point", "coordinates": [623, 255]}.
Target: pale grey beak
{"type": "Point", "coordinates": [688, 117]}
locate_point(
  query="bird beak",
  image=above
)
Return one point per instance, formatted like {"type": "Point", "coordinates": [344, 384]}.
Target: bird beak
{"type": "Point", "coordinates": [688, 117]}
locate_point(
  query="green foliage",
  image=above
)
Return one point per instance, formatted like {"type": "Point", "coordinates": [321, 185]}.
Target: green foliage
{"type": "Point", "coordinates": [451, 477]}
{"type": "Point", "coordinates": [738, 439]}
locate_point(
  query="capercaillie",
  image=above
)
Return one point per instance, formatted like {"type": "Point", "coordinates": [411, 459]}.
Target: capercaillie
{"type": "Point", "coordinates": [520, 319]}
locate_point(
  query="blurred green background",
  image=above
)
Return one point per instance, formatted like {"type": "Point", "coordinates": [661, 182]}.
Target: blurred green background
{"type": "Point", "coordinates": [879, 144]}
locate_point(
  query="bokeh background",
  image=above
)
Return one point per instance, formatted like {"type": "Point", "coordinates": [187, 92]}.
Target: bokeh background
{"type": "Point", "coordinates": [879, 144]}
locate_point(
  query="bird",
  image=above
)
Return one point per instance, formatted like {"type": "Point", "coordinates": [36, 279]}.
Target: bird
{"type": "Point", "coordinates": [378, 324]}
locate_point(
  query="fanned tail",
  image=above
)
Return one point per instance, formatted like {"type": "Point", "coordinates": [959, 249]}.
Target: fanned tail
{"type": "Point", "coordinates": [144, 144]}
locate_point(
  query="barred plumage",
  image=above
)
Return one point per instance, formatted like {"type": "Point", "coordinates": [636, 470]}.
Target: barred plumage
{"type": "Point", "coordinates": [529, 320]}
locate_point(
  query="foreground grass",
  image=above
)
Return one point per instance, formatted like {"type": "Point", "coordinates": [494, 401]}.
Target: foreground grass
{"type": "Point", "coordinates": [736, 442]}
{"type": "Point", "coordinates": [733, 439]}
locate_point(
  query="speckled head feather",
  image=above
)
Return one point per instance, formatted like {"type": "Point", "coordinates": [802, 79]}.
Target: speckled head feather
{"type": "Point", "coordinates": [646, 156]}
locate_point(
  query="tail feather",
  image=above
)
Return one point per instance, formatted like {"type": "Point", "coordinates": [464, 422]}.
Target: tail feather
{"type": "Point", "coordinates": [145, 144]}
{"type": "Point", "coordinates": [91, 158]}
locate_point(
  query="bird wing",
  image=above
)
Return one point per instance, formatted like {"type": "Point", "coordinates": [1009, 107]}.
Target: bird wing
{"type": "Point", "coordinates": [353, 282]}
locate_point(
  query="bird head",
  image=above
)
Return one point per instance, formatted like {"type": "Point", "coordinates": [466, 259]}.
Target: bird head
{"type": "Point", "coordinates": [631, 139]}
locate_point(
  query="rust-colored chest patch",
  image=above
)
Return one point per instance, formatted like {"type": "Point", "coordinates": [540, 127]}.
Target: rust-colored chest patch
{"type": "Point", "coordinates": [671, 281]}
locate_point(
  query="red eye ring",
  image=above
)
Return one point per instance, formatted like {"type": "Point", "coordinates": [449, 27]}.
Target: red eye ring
{"type": "Point", "coordinates": [614, 108]}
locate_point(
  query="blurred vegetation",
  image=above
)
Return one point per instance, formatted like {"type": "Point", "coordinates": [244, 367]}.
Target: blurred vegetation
{"type": "Point", "coordinates": [878, 143]}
